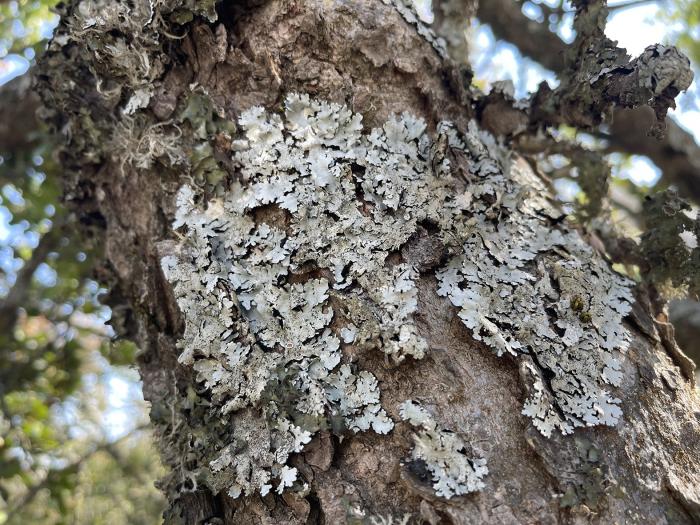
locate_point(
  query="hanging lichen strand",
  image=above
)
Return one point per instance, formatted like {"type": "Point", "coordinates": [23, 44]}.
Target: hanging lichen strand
{"type": "Point", "coordinates": [312, 226]}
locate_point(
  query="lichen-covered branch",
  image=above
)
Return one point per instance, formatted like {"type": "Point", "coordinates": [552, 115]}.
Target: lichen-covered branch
{"type": "Point", "coordinates": [676, 153]}
{"type": "Point", "coordinates": [600, 76]}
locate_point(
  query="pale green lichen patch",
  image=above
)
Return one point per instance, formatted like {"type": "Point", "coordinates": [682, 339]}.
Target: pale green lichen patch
{"type": "Point", "coordinates": [590, 480]}
{"type": "Point", "coordinates": [454, 472]}
{"type": "Point", "coordinates": [524, 285]}
{"type": "Point", "coordinates": [299, 257]}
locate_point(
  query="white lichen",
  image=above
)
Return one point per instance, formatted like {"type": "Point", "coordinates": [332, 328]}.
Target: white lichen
{"type": "Point", "coordinates": [523, 285]}
{"type": "Point", "coordinates": [252, 311]}
{"type": "Point", "coordinates": [407, 10]}
{"type": "Point", "coordinates": [287, 478]}
{"type": "Point", "coordinates": [399, 298]}
{"type": "Point", "coordinates": [307, 234]}
{"type": "Point", "coordinates": [138, 100]}
{"type": "Point", "coordinates": [389, 520]}
{"type": "Point", "coordinates": [445, 454]}
{"type": "Point", "coordinates": [348, 333]}
{"type": "Point", "coordinates": [690, 240]}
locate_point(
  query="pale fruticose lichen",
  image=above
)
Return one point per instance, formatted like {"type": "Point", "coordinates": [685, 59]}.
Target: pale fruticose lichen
{"type": "Point", "coordinates": [454, 472]}
{"type": "Point", "coordinates": [123, 46]}
{"type": "Point", "coordinates": [300, 253]}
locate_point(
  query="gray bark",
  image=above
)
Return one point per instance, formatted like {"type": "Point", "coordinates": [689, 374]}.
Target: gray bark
{"type": "Point", "coordinates": [364, 54]}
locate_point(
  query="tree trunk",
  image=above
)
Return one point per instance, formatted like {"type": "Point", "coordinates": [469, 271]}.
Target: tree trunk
{"type": "Point", "coordinates": [346, 326]}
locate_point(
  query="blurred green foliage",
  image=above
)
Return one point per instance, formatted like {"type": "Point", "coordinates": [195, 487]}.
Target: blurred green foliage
{"type": "Point", "coordinates": [68, 453]}
{"type": "Point", "coordinates": [686, 16]}
{"type": "Point", "coordinates": [108, 486]}
{"type": "Point", "coordinates": [53, 371]}
{"type": "Point", "coordinates": [23, 24]}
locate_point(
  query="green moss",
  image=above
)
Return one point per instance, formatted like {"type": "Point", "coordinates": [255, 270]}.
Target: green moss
{"type": "Point", "coordinates": [592, 483]}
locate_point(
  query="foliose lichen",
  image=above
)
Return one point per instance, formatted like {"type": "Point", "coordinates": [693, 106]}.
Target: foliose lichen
{"type": "Point", "coordinates": [453, 471]}
{"type": "Point", "coordinates": [299, 254]}
{"type": "Point", "coordinates": [246, 288]}
{"type": "Point", "coordinates": [524, 285]}
{"type": "Point", "coordinates": [408, 12]}
{"type": "Point", "coordinates": [390, 520]}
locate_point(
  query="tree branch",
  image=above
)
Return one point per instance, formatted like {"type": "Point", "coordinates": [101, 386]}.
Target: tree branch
{"type": "Point", "coordinates": [38, 487]}
{"type": "Point", "coordinates": [18, 121]}
{"type": "Point", "coordinates": [599, 76]}
{"type": "Point", "coordinates": [629, 3]}
{"type": "Point", "coordinates": [560, 10]}
{"type": "Point", "coordinates": [533, 39]}
{"type": "Point", "coordinates": [20, 290]}
{"type": "Point", "coordinates": [677, 154]}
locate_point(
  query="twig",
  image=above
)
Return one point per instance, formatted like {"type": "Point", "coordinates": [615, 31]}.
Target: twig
{"type": "Point", "coordinates": [34, 490]}
{"type": "Point", "coordinates": [18, 294]}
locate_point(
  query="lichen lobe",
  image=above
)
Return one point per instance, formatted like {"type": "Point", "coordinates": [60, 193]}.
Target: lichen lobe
{"type": "Point", "coordinates": [262, 333]}
{"type": "Point", "coordinates": [454, 472]}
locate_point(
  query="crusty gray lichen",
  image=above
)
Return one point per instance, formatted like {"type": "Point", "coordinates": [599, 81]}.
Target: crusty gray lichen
{"type": "Point", "coordinates": [454, 472]}
{"type": "Point", "coordinates": [299, 254]}
{"type": "Point", "coordinates": [407, 10]}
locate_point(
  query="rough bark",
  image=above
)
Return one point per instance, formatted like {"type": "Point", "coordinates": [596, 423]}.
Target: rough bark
{"type": "Point", "coordinates": [363, 54]}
